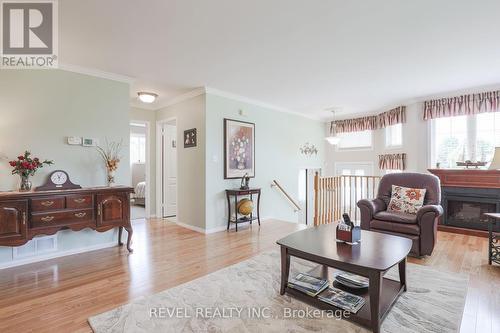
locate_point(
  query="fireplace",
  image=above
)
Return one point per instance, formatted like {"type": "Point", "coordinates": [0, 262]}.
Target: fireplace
{"type": "Point", "coordinates": [466, 195]}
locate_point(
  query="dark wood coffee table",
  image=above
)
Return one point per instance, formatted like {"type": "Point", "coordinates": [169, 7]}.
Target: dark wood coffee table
{"type": "Point", "coordinates": [372, 257]}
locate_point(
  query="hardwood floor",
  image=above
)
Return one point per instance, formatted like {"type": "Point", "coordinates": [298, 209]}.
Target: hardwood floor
{"type": "Point", "coordinates": [60, 294]}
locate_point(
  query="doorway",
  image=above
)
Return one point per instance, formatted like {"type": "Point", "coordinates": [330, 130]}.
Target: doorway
{"type": "Point", "coordinates": [306, 194]}
{"type": "Point", "coordinates": [167, 163]}
{"type": "Point", "coordinates": [139, 166]}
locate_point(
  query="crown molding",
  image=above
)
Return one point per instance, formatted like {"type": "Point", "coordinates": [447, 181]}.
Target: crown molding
{"type": "Point", "coordinates": [181, 98]}
{"type": "Point", "coordinates": [243, 99]}
{"type": "Point", "coordinates": [96, 73]}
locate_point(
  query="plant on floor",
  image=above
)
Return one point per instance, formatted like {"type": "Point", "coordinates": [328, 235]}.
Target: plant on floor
{"type": "Point", "coordinates": [25, 166]}
{"type": "Point", "coordinates": [111, 157]}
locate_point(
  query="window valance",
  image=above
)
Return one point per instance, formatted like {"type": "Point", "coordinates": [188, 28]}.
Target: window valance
{"type": "Point", "coordinates": [392, 161]}
{"type": "Point", "coordinates": [462, 105]}
{"type": "Point", "coordinates": [392, 117]}
{"type": "Point", "coordinates": [388, 118]}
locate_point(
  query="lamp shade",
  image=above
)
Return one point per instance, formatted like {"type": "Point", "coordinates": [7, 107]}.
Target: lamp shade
{"type": "Point", "coordinates": [495, 164]}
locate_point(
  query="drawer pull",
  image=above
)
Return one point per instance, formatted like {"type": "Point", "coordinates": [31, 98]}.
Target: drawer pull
{"type": "Point", "coordinates": [47, 203]}
{"type": "Point", "coordinates": [80, 200]}
{"type": "Point", "coordinates": [80, 215]}
{"type": "Point", "coordinates": [47, 218]}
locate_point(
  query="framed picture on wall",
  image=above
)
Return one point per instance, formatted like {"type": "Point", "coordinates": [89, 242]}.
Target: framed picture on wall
{"type": "Point", "coordinates": [239, 149]}
{"type": "Point", "coordinates": [190, 139]}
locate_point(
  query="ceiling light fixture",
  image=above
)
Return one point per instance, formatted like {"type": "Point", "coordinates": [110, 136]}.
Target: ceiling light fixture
{"type": "Point", "coordinates": [147, 97]}
{"type": "Point", "coordinates": [333, 138]}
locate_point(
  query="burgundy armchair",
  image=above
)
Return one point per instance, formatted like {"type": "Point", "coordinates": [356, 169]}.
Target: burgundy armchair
{"type": "Point", "coordinates": [420, 228]}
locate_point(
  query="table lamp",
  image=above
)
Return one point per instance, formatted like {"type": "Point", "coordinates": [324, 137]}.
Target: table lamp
{"type": "Point", "coordinates": [495, 164]}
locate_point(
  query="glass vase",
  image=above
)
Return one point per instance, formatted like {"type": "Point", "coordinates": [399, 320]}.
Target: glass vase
{"type": "Point", "coordinates": [111, 178]}
{"type": "Point", "coordinates": [25, 184]}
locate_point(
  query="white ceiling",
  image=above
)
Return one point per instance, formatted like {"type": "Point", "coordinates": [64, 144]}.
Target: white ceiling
{"type": "Point", "coordinates": [304, 56]}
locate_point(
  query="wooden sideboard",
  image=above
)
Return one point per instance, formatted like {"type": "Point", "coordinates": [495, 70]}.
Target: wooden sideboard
{"type": "Point", "coordinates": [24, 215]}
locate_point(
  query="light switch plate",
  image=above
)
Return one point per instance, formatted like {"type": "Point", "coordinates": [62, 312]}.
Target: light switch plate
{"type": "Point", "coordinates": [74, 140]}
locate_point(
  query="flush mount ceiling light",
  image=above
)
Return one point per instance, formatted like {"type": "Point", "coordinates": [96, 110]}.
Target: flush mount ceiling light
{"type": "Point", "coordinates": [147, 97]}
{"type": "Point", "coordinates": [333, 138]}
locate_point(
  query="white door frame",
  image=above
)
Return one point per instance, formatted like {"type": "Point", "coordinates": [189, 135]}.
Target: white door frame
{"type": "Point", "coordinates": [159, 160]}
{"type": "Point", "coordinates": [148, 163]}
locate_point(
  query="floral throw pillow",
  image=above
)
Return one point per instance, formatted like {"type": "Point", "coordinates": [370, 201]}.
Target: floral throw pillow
{"type": "Point", "coordinates": [406, 200]}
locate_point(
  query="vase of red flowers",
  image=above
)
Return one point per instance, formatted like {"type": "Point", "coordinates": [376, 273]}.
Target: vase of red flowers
{"type": "Point", "coordinates": [25, 167]}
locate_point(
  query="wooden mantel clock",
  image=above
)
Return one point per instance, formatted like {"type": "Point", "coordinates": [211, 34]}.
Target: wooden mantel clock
{"type": "Point", "coordinates": [58, 180]}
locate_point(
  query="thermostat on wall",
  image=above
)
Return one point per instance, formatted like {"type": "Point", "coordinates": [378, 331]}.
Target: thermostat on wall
{"type": "Point", "coordinates": [90, 142]}
{"type": "Point", "coordinates": [74, 140]}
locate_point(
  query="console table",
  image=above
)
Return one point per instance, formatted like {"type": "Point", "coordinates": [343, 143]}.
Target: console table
{"type": "Point", "coordinates": [24, 215]}
{"type": "Point", "coordinates": [238, 192]}
{"type": "Point", "coordinates": [493, 239]}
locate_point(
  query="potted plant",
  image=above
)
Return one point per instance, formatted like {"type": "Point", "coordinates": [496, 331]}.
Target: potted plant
{"type": "Point", "coordinates": [25, 166]}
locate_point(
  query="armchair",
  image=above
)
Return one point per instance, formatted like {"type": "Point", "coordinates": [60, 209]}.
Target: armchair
{"type": "Point", "coordinates": [420, 228]}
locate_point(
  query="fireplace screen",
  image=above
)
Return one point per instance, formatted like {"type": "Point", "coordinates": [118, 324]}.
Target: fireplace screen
{"type": "Point", "coordinates": [469, 214]}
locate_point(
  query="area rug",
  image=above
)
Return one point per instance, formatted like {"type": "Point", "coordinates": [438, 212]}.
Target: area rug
{"type": "Point", "coordinates": [245, 298]}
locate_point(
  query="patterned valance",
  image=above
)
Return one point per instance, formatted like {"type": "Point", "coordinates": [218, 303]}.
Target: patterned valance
{"type": "Point", "coordinates": [368, 123]}
{"type": "Point", "coordinates": [392, 161]}
{"type": "Point", "coordinates": [462, 105]}
{"type": "Point", "coordinates": [392, 117]}
{"type": "Point", "coordinates": [356, 124]}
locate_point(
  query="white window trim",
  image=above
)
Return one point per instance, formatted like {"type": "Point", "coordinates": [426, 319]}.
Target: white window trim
{"type": "Point", "coordinates": [367, 148]}
{"type": "Point", "coordinates": [393, 147]}
{"type": "Point", "coordinates": [337, 165]}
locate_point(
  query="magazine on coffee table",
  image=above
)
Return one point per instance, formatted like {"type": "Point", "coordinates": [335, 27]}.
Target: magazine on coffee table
{"type": "Point", "coordinates": [308, 284]}
{"type": "Point", "coordinates": [351, 280]}
{"type": "Point", "coordinates": [342, 299]}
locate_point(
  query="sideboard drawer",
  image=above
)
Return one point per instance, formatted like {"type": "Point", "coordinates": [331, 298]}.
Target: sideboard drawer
{"type": "Point", "coordinates": [48, 203]}
{"type": "Point", "coordinates": [48, 219]}
{"type": "Point", "coordinates": [79, 201]}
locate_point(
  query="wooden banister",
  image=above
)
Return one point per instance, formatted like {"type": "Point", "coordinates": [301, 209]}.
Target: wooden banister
{"type": "Point", "coordinates": [282, 190]}
{"type": "Point", "coordinates": [336, 195]}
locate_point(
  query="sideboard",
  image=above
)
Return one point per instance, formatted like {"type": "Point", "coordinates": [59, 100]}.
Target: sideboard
{"type": "Point", "coordinates": [24, 215]}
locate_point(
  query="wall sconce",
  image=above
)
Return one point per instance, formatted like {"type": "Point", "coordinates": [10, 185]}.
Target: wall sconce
{"type": "Point", "coordinates": [308, 149]}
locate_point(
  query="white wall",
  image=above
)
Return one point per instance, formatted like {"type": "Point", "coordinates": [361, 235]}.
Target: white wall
{"type": "Point", "coordinates": [279, 136]}
{"type": "Point", "coordinates": [190, 161]}
{"type": "Point", "coordinates": [39, 109]}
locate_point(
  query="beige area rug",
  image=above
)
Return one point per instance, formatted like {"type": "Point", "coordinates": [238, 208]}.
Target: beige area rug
{"type": "Point", "coordinates": [245, 298]}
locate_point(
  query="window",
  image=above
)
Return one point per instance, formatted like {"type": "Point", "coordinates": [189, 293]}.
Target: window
{"type": "Point", "coordinates": [465, 138]}
{"type": "Point", "coordinates": [388, 171]}
{"type": "Point", "coordinates": [137, 148]}
{"type": "Point", "coordinates": [355, 140]}
{"type": "Point", "coordinates": [394, 136]}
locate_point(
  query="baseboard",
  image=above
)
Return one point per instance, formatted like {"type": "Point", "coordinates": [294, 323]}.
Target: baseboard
{"type": "Point", "coordinates": [214, 229]}
{"type": "Point", "coordinates": [56, 255]}
{"type": "Point", "coordinates": [190, 227]}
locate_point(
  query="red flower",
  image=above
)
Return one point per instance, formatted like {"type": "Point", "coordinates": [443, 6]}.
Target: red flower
{"type": "Point", "coordinates": [25, 165]}
{"type": "Point", "coordinates": [13, 163]}
{"type": "Point", "coordinates": [413, 194]}
{"type": "Point", "coordinates": [20, 157]}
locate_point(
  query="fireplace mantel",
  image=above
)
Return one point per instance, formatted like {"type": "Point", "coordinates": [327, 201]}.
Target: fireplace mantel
{"type": "Point", "coordinates": [475, 178]}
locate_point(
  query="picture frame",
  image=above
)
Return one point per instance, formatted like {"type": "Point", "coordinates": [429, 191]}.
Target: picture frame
{"type": "Point", "coordinates": [190, 138]}
{"type": "Point", "coordinates": [239, 149]}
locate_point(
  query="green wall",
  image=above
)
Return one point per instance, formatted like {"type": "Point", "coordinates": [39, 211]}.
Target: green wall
{"type": "Point", "coordinates": [39, 109]}
{"type": "Point", "coordinates": [279, 136]}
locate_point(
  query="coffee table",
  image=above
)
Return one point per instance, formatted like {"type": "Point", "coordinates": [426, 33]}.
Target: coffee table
{"type": "Point", "coordinates": [372, 257]}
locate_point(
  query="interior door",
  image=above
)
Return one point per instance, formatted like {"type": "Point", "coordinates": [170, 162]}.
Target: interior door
{"type": "Point", "coordinates": [170, 170]}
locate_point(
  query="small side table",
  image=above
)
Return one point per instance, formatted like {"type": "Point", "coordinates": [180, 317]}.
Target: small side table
{"type": "Point", "coordinates": [494, 238]}
{"type": "Point", "coordinates": [236, 193]}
